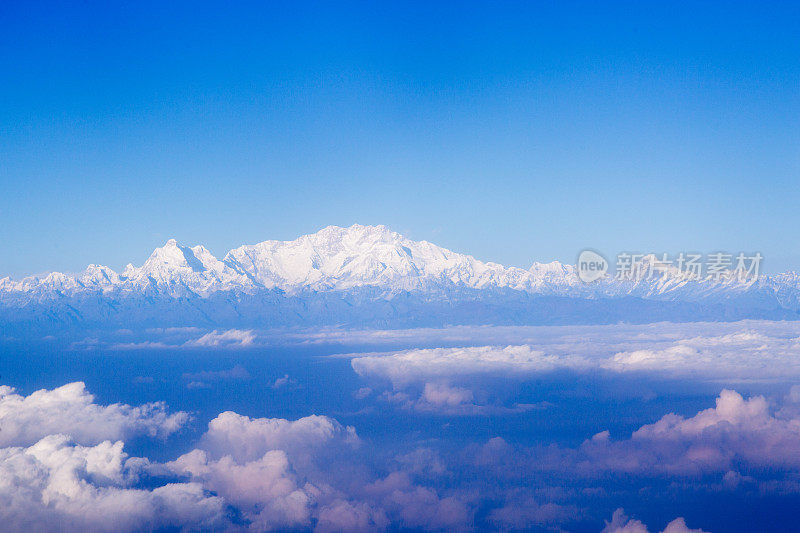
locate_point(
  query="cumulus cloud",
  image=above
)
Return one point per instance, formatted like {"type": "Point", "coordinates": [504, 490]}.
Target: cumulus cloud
{"type": "Point", "coordinates": [281, 474]}
{"type": "Point", "coordinates": [341, 515]}
{"type": "Point", "coordinates": [283, 381]}
{"type": "Point", "coordinates": [404, 368]}
{"type": "Point", "coordinates": [620, 523]}
{"type": "Point", "coordinates": [444, 399]}
{"type": "Point", "coordinates": [442, 394]}
{"type": "Point", "coordinates": [257, 474]}
{"type": "Point", "coordinates": [737, 434]}
{"type": "Point", "coordinates": [752, 350]}
{"type": "Point", "coordinates": [246, 438]}
{"type": "Point", "coordinates": [747, 354]}
{"type": "Point", "coordinates": [70, 410]}
{"type": "Point", "coordinates": [228, 338]}
{"type": "Point", "coordinates": [265, 489]}
{"type": "Point", "coordinates": [522, 513]}
{"type": "Point", "coordinates": [422, 461]}
{"type": "Point", "coordinates": [177, 338]}
{"type": "Point", "coordinates": [679, 526]}
{"type": "Point", "coordinates": [419, 507]}
{"type": "Point", "coordinates": [423, 379]}
{"type": "Point", "coordinates": [275, 473]}
{"type": "Point", "coordinates": [267, 467]}
{"type": "Point", "coordinates": [287, 474]}
{"type": "Point", "coordinates": [735, 431]}
{"type": "Point", "coordinates": [57, 485]}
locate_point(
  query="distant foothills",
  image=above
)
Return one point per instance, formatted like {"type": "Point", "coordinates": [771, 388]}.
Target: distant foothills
{"type": "Point", "coordinates": [370, 276]}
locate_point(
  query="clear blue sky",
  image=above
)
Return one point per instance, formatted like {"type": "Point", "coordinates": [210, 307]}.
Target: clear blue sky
{"type": "Point", "coordinates": [511, 131]}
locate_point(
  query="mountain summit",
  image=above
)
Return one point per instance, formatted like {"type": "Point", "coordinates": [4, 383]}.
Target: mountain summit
{"type": "Point", "coordinates": [343, 258]}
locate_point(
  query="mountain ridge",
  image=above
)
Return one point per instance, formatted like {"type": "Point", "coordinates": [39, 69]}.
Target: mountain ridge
{"type": "Point", "coordinates": [339, 258]}
{"type": "Point", "coordinates": [370, 274]}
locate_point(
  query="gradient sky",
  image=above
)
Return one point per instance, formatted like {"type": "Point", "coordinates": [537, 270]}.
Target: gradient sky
{"type": "Point", "coordinates": [511, 131]}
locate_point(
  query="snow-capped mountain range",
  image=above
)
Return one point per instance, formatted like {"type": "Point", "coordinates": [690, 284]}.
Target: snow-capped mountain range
{"type": "Point", "coordinates": [334, 258]}
{"type": "Point", "coordinates": [364, 266]}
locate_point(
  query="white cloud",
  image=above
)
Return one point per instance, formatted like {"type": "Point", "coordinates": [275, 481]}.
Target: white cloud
{"type": "Point", "coordinates": [342, 515]}
{"type": "Point", "coordinates": [247, 439]}
{"type": "Point", "coordinates": [744, 351]}
{"type": "Point", "coordinates": [422, 461]}
{"type": "Point", "coordinates": [679, 526]}
{"type": "Point", "coordinates": [600, 342]}
{"type": "Point", "coordinates": [71, 410]}
{"type": "Point", "coordinates": [620, 523]}
{"type": "Point", "coordinates": [735, 431]}
{"type": "Point", "coordinates": [282, 474]}
{"type": "Point", "coordinates": [520, 513]}
{"type": "Point", "coordinates": [283, 381]}
{"type": "Point", "coordinates": [419, 507]}
{"type": "Point", "coordinates": [443, 398]}
{"type": "Point", "coordinates": [439, 397]}
{"type": "Point", "coordinates": [266, 467]}
{"type": "Point", "coordinates": [56, 485]}
{"type": "Point", "coordinates": [442, 394]}
{"type": "Point", "coordinates": [264, 489]}
{"type": "Point", "coordinates": [587, 337]}
{"type": "Point", "coordinates": [404, 368]}
{"type": "Point", "coordinates": [146, 345]}
{"type": "Point", "coordinates": [738, 433]}
{"type": "Point", "coordinates": [177, 338]}
{"type": "Point", "coordinates": [229, 338]}
{"type": "Point", "coordinates": [274, 471]}
{"type": "Point", "coordinates": [275, 474]}
{"type": "Point", "coordinates": [747, 354]}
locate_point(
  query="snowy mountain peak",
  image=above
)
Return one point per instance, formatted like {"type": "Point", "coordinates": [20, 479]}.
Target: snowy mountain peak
{"type": "Point", "coordinates": [172, 255]}
{"type": "Point", "coordinates": [180, 270]}
{"type": "Point", "coordinates": [356, 232]}
{"type": "Point", "coordinates": [341, 258]}
{"type": "Point", "coordinates": [99, 276]}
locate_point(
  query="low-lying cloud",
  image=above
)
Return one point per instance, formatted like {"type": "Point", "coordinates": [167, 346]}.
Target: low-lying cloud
{"type": "Point", "coordinates": [257, 474]}
{"type": "Point", "coordinates": [737, 431]}
{"type": "Point", "coordinates": [71, 410]}
{"type": "Point", "coordinates": [758, 352]}
{"type": "Point", "coordinates": [621, 523]}
{"type": "Point", "coordinates": [57, 485]}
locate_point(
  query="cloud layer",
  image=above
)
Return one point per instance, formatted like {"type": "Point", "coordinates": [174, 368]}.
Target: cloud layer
{"type": "Point", "coordinates": [71, 410]}
{"type": "Point", "coordinates": [446, 377]}
{"type": "Point", "coordinates": [63, 468]}
{"type": "Point", "coordinates": [57, 485]}
{"type": "Point", "coordinates": [63, 459]}
{"type": "Point", "coordinates": [264, 474]}
{"type": "Point", "coordinates": [748, 354]}
{"type": "Point", "coordinates": [736, 432]}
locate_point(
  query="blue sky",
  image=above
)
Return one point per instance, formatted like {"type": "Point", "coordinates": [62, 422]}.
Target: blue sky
{"type": "Point", "coordinates": [511, 131]}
